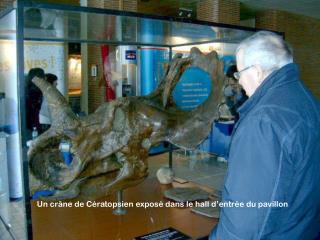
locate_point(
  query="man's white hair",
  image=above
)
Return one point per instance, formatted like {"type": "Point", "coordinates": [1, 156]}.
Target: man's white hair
{"type": "Point", "coordinates": [266, 49]}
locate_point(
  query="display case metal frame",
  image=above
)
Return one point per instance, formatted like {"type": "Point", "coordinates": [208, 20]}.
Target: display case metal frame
{"type": "Point", "coordinates": [21, 38]}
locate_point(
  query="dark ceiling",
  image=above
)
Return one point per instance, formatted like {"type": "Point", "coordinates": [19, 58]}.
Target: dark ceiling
{"type": "Point", "coordinates": [247, 7]}
{"type": "Point", "coordinates": [166, 7]}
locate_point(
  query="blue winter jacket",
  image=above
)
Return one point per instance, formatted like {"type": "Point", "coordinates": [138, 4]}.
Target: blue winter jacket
{"type": "Point", "coordinates": [274, 159]}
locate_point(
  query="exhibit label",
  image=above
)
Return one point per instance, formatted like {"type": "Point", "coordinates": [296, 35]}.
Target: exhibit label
{"type": "Point", "coordinates": [193, 88]}
{"type": "Point", "coordinates": [165, 234]}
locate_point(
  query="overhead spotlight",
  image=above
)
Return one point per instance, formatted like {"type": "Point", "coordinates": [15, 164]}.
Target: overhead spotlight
{"type": "Point", "coordinates": [185, 13]}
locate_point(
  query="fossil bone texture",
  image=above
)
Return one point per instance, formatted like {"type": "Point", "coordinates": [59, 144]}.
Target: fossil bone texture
{"type": "Point", "coordinates": [110, 147]}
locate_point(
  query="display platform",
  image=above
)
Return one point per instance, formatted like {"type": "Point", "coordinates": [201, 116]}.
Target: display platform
{"type": "Point", "coordinates": [94, 223]}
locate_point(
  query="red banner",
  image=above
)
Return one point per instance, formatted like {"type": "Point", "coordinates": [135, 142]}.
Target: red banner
{"type": "Point", "coordinates": [110, 92]}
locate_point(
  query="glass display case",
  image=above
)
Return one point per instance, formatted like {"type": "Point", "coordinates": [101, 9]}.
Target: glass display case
{"type": "Point", "coordinates": [128, 50]}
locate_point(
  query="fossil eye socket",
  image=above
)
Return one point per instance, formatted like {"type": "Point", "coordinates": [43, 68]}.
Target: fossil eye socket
{"type": "Point", "coordinates": [50, 157]}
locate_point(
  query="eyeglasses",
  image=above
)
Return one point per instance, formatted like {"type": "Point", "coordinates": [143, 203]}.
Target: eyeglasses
{"type": "Point", "coordinates": [238, 74]}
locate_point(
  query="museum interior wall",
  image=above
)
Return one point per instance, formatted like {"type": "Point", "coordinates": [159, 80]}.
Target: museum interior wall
{"type": "Point", "coordinates": [5, 3]}
{"type": "Point", "coordinates": [303, 34]}
{"type": "Point", "coordinates": [222, 11]}
{"type": "Point", "coordinates": [301, 31]}
{"type": "Point", "coordinates": [96, 90]}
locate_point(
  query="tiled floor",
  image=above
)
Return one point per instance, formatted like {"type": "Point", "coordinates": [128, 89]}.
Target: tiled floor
{"type": "Point", "coordinates": [16, 214]}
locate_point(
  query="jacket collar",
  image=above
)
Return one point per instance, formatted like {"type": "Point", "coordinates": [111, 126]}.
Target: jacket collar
{"type": "Point", "coordinates": [286, 74]}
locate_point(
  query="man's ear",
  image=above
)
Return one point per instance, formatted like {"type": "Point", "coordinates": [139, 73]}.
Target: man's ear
{"type": "Point", "coordinates": [260, 73]}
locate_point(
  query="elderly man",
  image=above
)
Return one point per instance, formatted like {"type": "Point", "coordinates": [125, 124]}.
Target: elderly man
{"type": "Point", "coordinates": [274, 159]}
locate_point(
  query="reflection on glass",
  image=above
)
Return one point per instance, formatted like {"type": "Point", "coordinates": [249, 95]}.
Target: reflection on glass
{"type": "Point", "coordinates": [66, 25]}
{"type": "Point", "coordinates": [11, 193]}
{"type": "Point", "coordinates": [138, 55]}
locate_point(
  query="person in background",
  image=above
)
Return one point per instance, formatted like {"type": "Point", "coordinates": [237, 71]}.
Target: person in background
{"type": "Point", "coordinates": [45, 114]}
{"type": "Point", "coordinates": [274, 158]}
{"type": "Point", "coordinates": [234, 94]}
{"type": "Point", "coordinates": [33, 98]}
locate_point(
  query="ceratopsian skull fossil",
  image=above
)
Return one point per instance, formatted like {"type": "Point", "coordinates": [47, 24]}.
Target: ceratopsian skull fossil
{"type": "Point", "coordinates": [110, 147]}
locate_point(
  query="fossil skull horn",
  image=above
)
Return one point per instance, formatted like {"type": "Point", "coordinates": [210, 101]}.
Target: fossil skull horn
{"type": "Point", "coordinates": [61, 112]}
